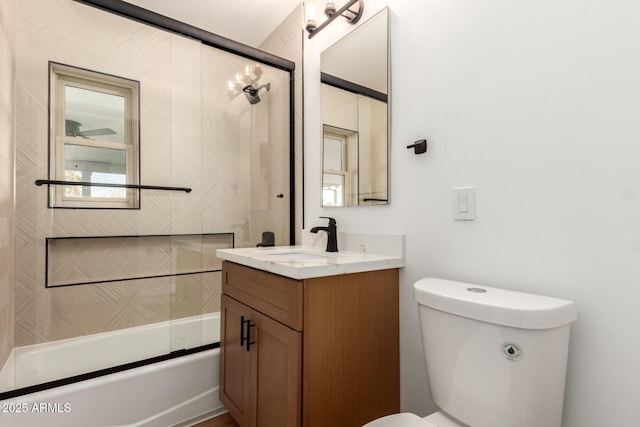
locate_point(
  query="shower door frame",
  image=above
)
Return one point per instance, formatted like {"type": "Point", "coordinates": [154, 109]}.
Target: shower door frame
{"type": "Point", "coordinates": [162, 22]}
{"type": "Point", "coordinates": [171, 25]}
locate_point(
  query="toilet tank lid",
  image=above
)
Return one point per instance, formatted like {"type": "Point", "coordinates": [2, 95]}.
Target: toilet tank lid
{"type": "Point", "coordinates": [494, 305]}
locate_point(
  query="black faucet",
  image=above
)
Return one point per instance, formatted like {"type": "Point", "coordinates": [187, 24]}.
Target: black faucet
{"type": "Point", "coordinates": [332, 234]}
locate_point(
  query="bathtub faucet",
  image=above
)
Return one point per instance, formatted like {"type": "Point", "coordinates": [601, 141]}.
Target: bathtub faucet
{"type": "Point", "coordinates": [332, 234]}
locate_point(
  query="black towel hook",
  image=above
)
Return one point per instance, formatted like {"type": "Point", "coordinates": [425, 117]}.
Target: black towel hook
{"type": "Point", "coordinates": [419, 146]}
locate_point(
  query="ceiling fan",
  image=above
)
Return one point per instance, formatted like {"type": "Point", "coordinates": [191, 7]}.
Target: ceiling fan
{"type": "Point", "coordinates": [72, 128]}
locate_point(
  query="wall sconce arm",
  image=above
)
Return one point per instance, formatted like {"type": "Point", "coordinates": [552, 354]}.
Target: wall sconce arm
{"type": "Point", "coordinates": [352, 15]}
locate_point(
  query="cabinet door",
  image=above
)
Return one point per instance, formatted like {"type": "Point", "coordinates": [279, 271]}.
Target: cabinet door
{"type": "Point", "coordinates": [276, 364]}
{"type": "Point", "coordinates": [260, 387]}
{"type": "Point", "coordinates": [235, 361]}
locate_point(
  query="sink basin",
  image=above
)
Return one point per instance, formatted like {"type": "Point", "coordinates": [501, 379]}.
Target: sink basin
{"type": "Point", "coordinates": [300, 255]}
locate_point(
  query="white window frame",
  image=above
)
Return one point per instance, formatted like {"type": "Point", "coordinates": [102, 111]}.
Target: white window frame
{"type": "Point", "coordinates": [349, 144]}
{"type": "Point", "coordinates": [62, 76]}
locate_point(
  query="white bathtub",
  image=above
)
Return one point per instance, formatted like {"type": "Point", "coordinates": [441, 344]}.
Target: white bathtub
{"type": "Point", "coordinates": [177, 392]}
{"type": "Point", "coordinates": [40, 363]}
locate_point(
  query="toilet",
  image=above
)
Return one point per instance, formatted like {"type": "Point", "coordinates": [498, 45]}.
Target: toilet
{"type": "Point", "coordinates": [495, 358]}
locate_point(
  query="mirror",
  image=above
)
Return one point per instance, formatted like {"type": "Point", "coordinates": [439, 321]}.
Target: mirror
{"type": "Point", "coordinates": [355, 116]}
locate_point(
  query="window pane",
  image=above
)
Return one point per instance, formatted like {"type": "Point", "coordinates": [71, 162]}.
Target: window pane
{"type": "Point", "coordinates": [91, 164]}
{"type": "Point", "coordinates": [333, 153]}
{"type": "Point", "coordinates": [94, 115]}
{"type": "Point", "coordinates": [332, 190]}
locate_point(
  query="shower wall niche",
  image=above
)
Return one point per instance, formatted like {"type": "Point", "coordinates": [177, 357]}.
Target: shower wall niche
{"type": "Point", "coordinates": [82, 272]}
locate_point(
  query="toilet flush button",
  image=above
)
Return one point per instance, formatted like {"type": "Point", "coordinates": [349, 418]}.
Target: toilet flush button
{"type": "Point", "coordinates": [511, 351]}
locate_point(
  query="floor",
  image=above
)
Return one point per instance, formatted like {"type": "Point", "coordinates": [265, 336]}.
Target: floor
{"type": "Point", "coordinates": [223, 420]}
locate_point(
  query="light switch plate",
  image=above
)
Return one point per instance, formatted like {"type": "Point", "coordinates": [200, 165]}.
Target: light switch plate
{"type": "Point", "coordinates": [464, 203]}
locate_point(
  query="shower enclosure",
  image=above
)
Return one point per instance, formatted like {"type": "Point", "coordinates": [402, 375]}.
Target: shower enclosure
{"type": "Point", "coordinates": [101, 288]}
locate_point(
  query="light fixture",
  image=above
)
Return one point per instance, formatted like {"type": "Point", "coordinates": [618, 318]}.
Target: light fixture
{"type": "Point", "coordinates": [250, 75]}
{"type": "Point", "coordinates": [247, 82]}
{"type": "Point", "coordinates": [352, 12]}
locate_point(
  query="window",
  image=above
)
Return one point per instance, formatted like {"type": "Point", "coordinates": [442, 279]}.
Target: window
{"type": "Point", "coordinates": [339, 169]}
{"type": "Point", "coordinates": [94, 138]}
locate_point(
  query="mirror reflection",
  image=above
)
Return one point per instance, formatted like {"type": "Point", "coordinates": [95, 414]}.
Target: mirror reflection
{"type": "Point", "coordinates": [354, 114]}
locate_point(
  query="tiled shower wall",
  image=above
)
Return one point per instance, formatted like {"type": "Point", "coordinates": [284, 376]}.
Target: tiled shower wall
{"type": "Point", "coordinates": [192, 135]}
{"type": "Point", "coordinates": [286, 42]}
{"type": "Point", "coordinates": [7, 49]}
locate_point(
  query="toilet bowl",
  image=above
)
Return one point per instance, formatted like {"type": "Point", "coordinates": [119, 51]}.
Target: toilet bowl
{"type": "Point", "coordinates": [437, 419]}
{"type": "Point", "coordinates": [495, 358]}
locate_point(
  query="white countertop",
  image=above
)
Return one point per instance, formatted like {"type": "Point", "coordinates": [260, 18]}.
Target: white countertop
{"type": "Point", "coordinates": [304, 262]}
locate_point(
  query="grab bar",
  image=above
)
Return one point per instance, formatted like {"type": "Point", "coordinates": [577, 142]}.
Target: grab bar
{"type": "Point", "coordinates": [40, 182]}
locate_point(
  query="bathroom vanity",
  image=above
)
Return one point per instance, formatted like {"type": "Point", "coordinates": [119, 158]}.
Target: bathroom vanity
{"type": "Point", "coordinates": [308, 338]}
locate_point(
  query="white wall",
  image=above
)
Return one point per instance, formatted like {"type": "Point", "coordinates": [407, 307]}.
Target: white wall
{"type": "Point", "coordinates": [537, 104]}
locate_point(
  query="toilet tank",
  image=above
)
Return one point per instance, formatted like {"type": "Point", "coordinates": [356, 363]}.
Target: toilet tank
{"type": "Point", "coordinates": [495, 358]}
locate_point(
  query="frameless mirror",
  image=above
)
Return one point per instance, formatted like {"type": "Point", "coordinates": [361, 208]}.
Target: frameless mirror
{"type": "Point", "coordinates": [354, 112]}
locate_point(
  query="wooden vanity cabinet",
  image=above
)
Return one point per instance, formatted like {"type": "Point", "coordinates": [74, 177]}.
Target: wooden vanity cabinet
{"type": "Point", "coordinates": [320, 352]}
{"type": "Point", "coordinates": [261, 343]}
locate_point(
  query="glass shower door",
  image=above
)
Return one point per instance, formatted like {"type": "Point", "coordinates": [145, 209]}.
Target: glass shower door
{"type": "Point", "coordinates": [242, 163]}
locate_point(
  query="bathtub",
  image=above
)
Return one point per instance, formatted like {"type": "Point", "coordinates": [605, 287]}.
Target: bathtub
{"type": "Point", "coordinates": [177, 392]}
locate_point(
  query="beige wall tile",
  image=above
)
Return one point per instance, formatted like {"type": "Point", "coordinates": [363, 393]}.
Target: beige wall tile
{"type": "Point", "coordinates": [192, 134]}
{"type": "Point", "coordinates": [286, 41]}
{"type": "Point", "coordinates": [7, 77]}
